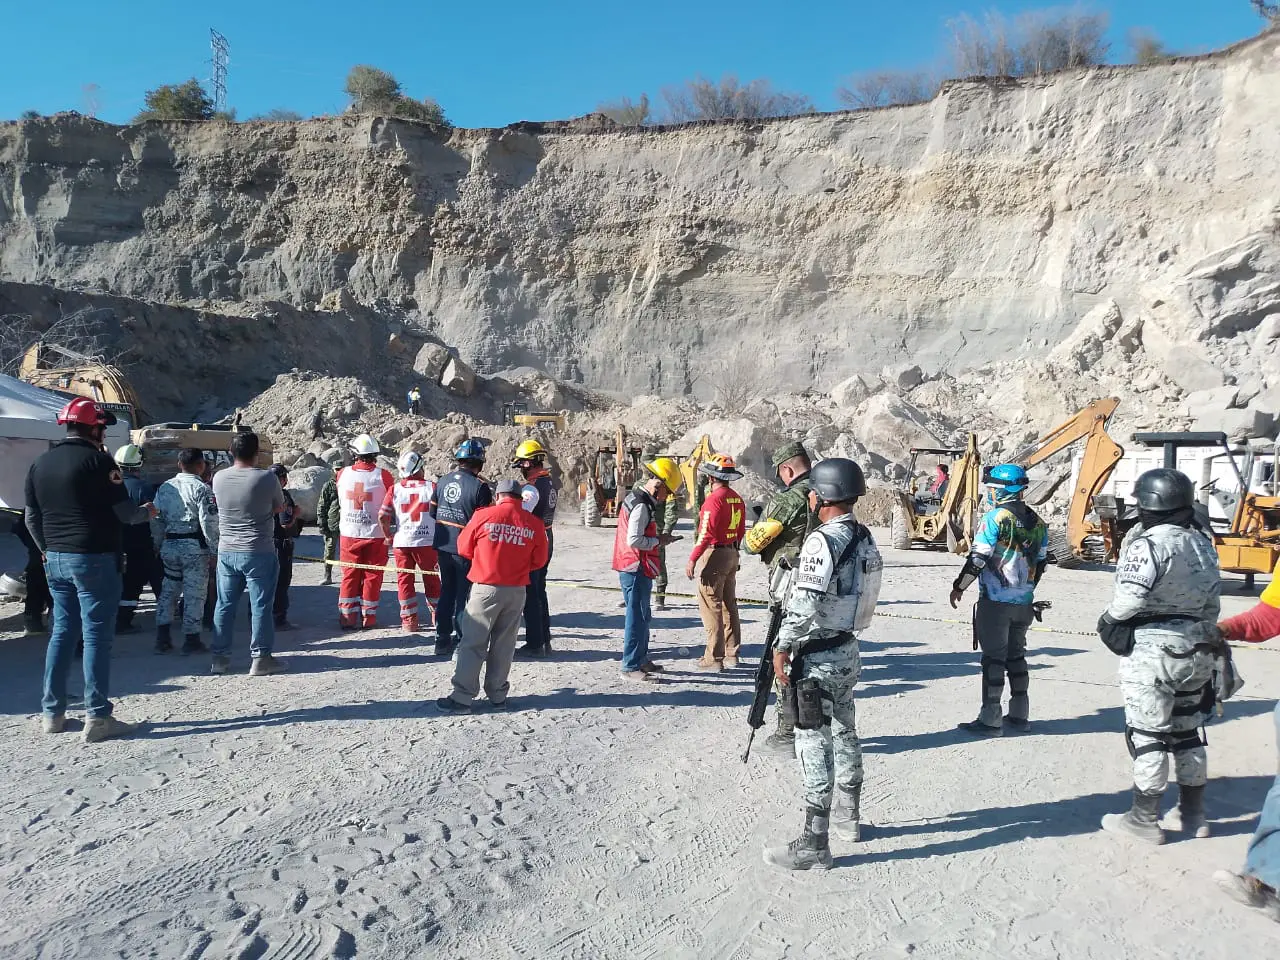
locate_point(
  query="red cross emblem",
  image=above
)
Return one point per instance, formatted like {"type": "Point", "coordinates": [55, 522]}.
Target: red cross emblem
{"type": "Point", "coordinates": [358, 497]}
{"type": "Point", "coordinates": [414, 509]}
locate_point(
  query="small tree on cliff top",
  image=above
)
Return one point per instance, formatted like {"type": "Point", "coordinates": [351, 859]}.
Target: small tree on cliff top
{"type": "Point", "coordinates": [183, 101]}
{"type": "Point", "coordinates": [371, 90]}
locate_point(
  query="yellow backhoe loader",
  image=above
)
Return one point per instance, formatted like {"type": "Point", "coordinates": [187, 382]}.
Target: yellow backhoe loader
{"type": "Point", "coordinates": [689, 470]}
{"type": "Point", "coordinates": [161, 443]}
{"type": "Point", "coordinates": [613, 472]}
{"type": "Point", "coordinates": [1083, 539]}
{"type": "Point", "coordinates": [945, 516]}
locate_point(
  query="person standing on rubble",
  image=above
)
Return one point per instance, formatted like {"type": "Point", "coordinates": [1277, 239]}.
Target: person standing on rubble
{"type": "Point", "coordinates": [187, 526]}
{"type": "Point", "coordinates": [714, 562]}
{"type": "Point", "coordinates": [76, 505]}
{"type": "Point", "coordinates": [415, 401]}
{"type": "Point", "coordinates": [408, 506]}
{"type": "Point", "coordinates": [362, 488]}
{"type": "Point", "coordinates": [635, 558]}
{"type": "Point", "coordinates": [538, 495]}
{"type": "Point", "coordinates": [458, 495]}
{"type": "Point", "coordinates": [775, 538]}
{"type": "Point", "coordinates": [1008, 558]}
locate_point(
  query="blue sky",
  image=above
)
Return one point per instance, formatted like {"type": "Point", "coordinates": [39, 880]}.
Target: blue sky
{"type": "Point", "coordinates": [494, 63]}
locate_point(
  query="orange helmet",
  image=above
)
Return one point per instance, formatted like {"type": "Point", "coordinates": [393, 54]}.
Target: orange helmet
{"type": "Point", "coordinates": [720, 466]}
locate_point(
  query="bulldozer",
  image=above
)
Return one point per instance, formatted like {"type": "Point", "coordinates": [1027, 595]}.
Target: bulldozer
{"type": "Point", "coordinates": [613, 471]}
{"type": "Point", "coordinates": [945, 517]}
{"type": "Point", "coordinates": [161, 442]}
{"type": "Point", "coordinates": [65, 371]}
{"type": "Point", "coordinates": [516, 413]}
{"type": "Point", "coordinates": [1250, 541]}
{"type": "Point", "coordinates": [1083, 539]}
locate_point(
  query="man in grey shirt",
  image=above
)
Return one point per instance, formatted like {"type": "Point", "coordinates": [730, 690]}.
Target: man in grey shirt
{"type": "Point", "coordinates": [248, 500]}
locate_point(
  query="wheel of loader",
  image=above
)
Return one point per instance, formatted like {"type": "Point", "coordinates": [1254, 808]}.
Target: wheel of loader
{"type": "Point", "coordinates": [1060, 551]}
{"type": "Point", "coordinates": [899, 531]}
{"type": "Point", "coordinates": [590, 511]}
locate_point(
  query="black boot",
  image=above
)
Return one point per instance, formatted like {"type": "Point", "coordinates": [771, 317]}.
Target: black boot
{"type": "Point", "coordinates": [1188, 816]}
{"type": "Point", "coordinates": [124, 622]}
{"type": "Point", "coordinates": [33, 625]}
{"type": "Point", "coordinates": [164, 639]}
{"type": "Point", "coordinates": [809, 850]}
{"type": "Point", "coordinates": [1142, 820]}
{"type": "Point", "coordinates": [193, 644]}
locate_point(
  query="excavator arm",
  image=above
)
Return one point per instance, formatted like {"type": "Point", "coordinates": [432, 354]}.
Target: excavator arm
{"type": "Point", "coordinates": [1101, 454]}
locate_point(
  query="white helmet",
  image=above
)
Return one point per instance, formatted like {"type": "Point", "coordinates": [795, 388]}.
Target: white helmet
{"type": "Point", "coordinates": [130, 455]}
{"type": "Point", "coordinates": [410, 463]}
{"type": "Point", "coordinates": [365, 446]}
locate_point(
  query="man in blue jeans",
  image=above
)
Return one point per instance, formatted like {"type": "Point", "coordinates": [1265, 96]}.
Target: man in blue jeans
{"type": "Point", "coordinates": [635, 558]}
{"type": "Point", "coordinates": [76, 508]}
{"type": "Point", "coordinates": [248, 500]}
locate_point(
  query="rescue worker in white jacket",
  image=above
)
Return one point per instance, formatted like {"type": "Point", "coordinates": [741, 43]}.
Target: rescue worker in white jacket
{"type": "Point", "coordinates": [187, 525]}
{"type": "Point", "coordinates": [1164, 610]}
{"type": "Point", "coordinates": [832, 598]}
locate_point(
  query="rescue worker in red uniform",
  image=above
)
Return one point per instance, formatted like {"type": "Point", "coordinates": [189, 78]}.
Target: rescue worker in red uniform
{"type": "Point", "coordinates": [362, 489]}
{"type": "Point", "coordinates": [714, 563]}
{"type": "Point", "coordinates": [407, 505]}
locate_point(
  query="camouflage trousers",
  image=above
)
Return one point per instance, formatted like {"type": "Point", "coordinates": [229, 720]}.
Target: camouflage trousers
{"type": "Point", "coordinates": [831, 756]}
{"type": "Point", "coordinates": [186, 574]}
{"type": "Point", "coordinates": [1167, 697]}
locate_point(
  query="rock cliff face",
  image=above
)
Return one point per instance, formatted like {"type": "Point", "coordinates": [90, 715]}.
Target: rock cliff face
{"type": "Point", "coordinates": [978, 227]}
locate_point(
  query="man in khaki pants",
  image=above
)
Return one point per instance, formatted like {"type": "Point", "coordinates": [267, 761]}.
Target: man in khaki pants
{"type": "Point", "coordinates": [504, 544]}
{"type": "Point", "coordinates": [714, 561]}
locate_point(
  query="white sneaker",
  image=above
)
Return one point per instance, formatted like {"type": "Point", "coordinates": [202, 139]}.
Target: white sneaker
{"type": "Point", "coordinates": [97, 729]}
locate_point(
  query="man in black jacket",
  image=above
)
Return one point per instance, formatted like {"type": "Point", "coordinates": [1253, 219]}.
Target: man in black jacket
{"type": "Point", "coordinates": [76, 507]}
{"type": "Point", "coordinates": [457, 496]}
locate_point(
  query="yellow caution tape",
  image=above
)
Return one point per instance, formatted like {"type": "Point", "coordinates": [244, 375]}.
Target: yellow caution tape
{"type": "Point", "coordinates": [751, 601]}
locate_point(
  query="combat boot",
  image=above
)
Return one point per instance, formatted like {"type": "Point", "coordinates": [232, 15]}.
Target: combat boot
{"type": "Point", "coordinates": [164, 638]}
{"type": "Point", "coordinates": [782, 742]}
{"type": "Point", "coordinates": [193, 644]}
{"type": "Point", "coordinates": [845, 817]}
{"type": "Point", "coordinates": [1188, 816]}
{"type": "Point", "coordinates": [990, 722]}
{"type": "Point", "coordinates": [1141, 822]}
{"type": "Point", "coordinates": [808, 851]}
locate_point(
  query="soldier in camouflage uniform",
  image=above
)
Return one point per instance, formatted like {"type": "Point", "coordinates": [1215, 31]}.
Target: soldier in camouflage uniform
{"type": "Point", "coordinates": [328, 516]}
{"type": "Point", "coordinates": [187, 519]}
{"type": "Point", "coordinates": [776, 538]}
{"type": "Point", "coordinates": [1166, 602]}
{"type": "Point", "coordinates": [837, 583]}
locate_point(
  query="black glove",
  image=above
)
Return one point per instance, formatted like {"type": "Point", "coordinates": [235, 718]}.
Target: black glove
{"type": "Point", "coordinates": [1116, 634]}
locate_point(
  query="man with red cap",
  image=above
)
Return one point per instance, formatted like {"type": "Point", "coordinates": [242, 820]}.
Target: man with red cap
{"type": "Point", "coordinates": [76, 508]}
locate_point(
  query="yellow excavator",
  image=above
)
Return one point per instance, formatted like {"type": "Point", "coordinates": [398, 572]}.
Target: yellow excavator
{"type": "Point", "coordinates": [1082, 540]}
{"type": "Point", "coordinates": [613, 471]}
{"type": "Point", "coordinates": [945, 516]}
{"type": "Point", "coordinates": [65, 371]}
{"type": "Point", "coordinates": [689, 470]}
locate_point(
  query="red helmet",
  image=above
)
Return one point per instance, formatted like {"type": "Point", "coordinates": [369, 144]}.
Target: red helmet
{"type": "Point", "coordinates": [87, 413]}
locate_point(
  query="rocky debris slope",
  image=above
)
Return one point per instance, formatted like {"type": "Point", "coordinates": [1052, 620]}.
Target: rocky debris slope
{"type": "Point", "coordinates": [968, 231]}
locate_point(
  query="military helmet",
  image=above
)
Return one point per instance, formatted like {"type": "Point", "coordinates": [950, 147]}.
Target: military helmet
{"type": "Point", "coordinates": [1164, 489]}
{"type": "Point", "coordinates": [837, 480]}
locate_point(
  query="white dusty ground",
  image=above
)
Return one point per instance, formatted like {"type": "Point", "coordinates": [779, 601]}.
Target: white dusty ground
{"type": "Point", "coordinates": [332, 812]}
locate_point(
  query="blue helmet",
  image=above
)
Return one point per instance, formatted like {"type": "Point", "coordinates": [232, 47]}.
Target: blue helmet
{"type": "Point", "coordinates": [1009, 477]}
{"type": "Point", "coordinates": [470, 450]}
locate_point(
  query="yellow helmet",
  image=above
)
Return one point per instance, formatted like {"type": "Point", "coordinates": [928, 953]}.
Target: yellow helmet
{"type": "Point", "coordinates": [666, 470]}
{"type": "Point", "coordinates": [530, 450]}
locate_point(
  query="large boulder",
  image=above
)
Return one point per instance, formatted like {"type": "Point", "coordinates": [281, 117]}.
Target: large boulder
{"type": "Point", "coordinates": [750, 444]}
{"type": "Point", "coordinates": [1092, 337]}
{"type": "Point", "coordinates": [431, 361]}
{"type": "Point", "coordinates": [305, 486]}
{"type": "Point", "coordinates": [458, 377]}
{"type": "Point", "coordinates": [1238, 425]}
{"type": "Point", "coordinates": [1206, 404]}
{"type": "Point", "coordinates": [847, 394]}
{"type": "Point", "coordinates": [890, 427]}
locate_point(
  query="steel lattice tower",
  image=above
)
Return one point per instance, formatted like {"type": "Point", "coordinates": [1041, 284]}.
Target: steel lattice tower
{"type": "Point", "coordinates": [221, 57]}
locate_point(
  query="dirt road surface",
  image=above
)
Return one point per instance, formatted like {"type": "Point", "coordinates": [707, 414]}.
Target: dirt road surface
{"type": "Point", "coordinates": [332, 812]}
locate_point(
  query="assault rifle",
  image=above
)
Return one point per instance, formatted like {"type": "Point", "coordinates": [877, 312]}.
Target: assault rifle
{"type": "Point", "coordinates": [779, 588]}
